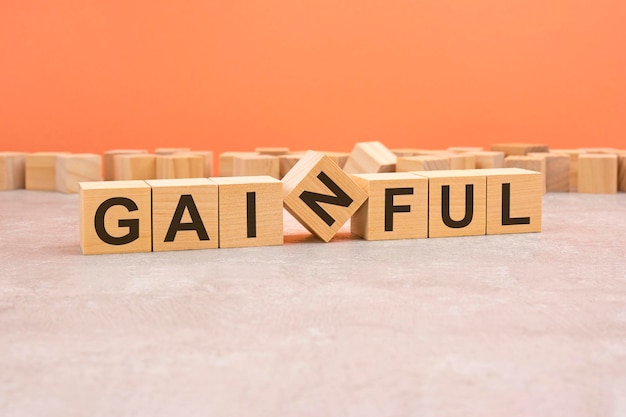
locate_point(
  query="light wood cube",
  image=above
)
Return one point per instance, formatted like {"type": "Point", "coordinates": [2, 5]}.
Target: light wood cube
{"type": "Point", "coordinates": [227, 161]}
{"type": "Point", "coordinates": [621, 172]}
{"type": "Point", "coordinates": [131, 167]}
{"type": "Point", "coordinates": [422, 163]}
{"type": "Point", "coordinates": [108, 161]}
{"type": "Point", "coordinates": [557, 170]}
{"type": "Point", "coordinates": [40, 170]}
{"type": "Point", "coordinates": [519, 149]}
{"type": "Point", "coordinates": [462, 161]}
{"type": "Point", "coordinates": [170, 151]}
{"type": "Point", "coordinates": [340, 158]}
{"type": "Point", "coordinates": [251, 165]}
{"type": "Point", "coordinates": [370, 157]}
{"type": "Point", "coordinates": [597, 173]}
{"type": "Point", "coordinates": [532, 163]}
{"type": "Point", "coordinates": [207, 157]}
{"type": "Point", "coordinates": [72, 169]}
{"type": "Point", "coordinates": [488, 159]}
{"type": "Point", "coordinates": [179, 165]}
{"type": "Point", "coordinates": [573, 165]}
{"type": "Point", "coordinates": [465, 149]}
{"type": "Point", "coordinates": [12, 170]}
{"type": "Point", "coordinates": [286, 162]}
{"type": "Point", "coordinates": [272, 151]}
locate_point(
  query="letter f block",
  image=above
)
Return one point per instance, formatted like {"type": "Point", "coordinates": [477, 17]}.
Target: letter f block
{"type": "Point", "coordinates": [115, 217]}
{"type": "Point", "coordinates": [320, 195]}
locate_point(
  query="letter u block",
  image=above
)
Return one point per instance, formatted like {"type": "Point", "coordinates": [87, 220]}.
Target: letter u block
{"type": "Point", "coordinates": [184, 214]}
{"type": "Point", "coordinates": [457, 202]}
{"type": "Point", "coordinates": [115, 217]}
{"type": "Point", "coordinates": [320, 195]}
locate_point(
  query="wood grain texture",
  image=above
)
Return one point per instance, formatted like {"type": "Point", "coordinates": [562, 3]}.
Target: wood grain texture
{"type": "Point", "coordinates": [207, 157]}
{"type": "Point", "coordinates": [12, 170]}
{"type": "Point", "coordinates": [340, 158]}
{"type": "Point", "coordinates": [227, 160]}
{"type": "Point", "coordinates": [179, 165]}
{"type": "Point", "coordinates": [573, 166]}
{"type": "Point", "coordinates": [370, 157]}
{"type": "Point", "coordinates": [286, 162]}
{"type": "Point", "coordinates": [132, 167]}
{"type": "Point", "coordinates": [488, 159]}
{"type": "Point", "coordinates": [108, 161]}
{"type": "Point", "coordinates": [74, 168]}
{"type": "Point", "coordinates": [422, 163]}
{"type": "Point", "coordinates": [532, 163]}
{"type": "Point", "coordinates": [621, 171]}
{"type": "Point", "coordinates": [519, 149]}
{"type": "Point", "coordinates": [597, 173]}
{"type": "Point", "coordinates": [40, 170]}
{"type": "Point", "coordinates": [557, 170]}
{"type": "Point", "coordinates": [251, 165]}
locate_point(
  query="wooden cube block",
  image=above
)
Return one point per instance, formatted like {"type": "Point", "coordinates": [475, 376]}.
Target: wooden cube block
{"type": "Point", "coordinates": [513, 201]}
{"type": "Point", "coordinates": [184, 214]}
{"type": "Point", "coordinates": [532, 163]}
{"type": "Point", "coordinates": [207, 157]}
{"type": "Point", "coordinates": [40, 170]}
{"type": "Point", "coordinates": [272, 151]}
{"type": "Point", "coordinates": [457, 202]}
{"type": "Point", "coordinates": [621, 172]}
{"type": "Point", "coordinates": [488, 159]}
{"type": "Point", "coordinates": [252, 165]}
{"type": "Point", "coordinates": [573, 165]}
{"type": "Point", "coordinates": [286, 162]}
{"type": "Point", "coordinates": [518, 149]}
{"type": "Point", "coordinates": [462, 161]}
{"type": "Point", "coordinates": [108, 161]}
{"type": "Point", "coordinates": [340, 158]}
{"type": "Point", "coordinates": [464, 149]}
{"type": "Point", "coordinates": [317, 179]}
{"type": "Point", "coordinates": [227, 161]}
{"type": "Point", "coordinates": [397, 207]}
{"type": "Point", "coordinates": [170, 151]}
{"type": "Point", "coordinates": [597, 173]}
{"type": "Point", "coordinates": [403, 152]}
{"type": "Point", "coordinates": [115, 217]}
{"type": "Point", "coordinates": [12, 169]}
{"type": "Point", "coordinates": [179, 165]}
{"type": "Point", "coordinates": [598, 150]}
{"type": "Point", "coordinates": [557, 170]}
{"type": "Point", "coordinates": [130, 167]}
{"type": "Point", "coordinates": [250, 211]}
{"type": "Point", "coordinates": [422, 163]}
{"type": "Point", "coordinates": [74, 168]}
{"type": "Point", "coordinates": [370, 157]}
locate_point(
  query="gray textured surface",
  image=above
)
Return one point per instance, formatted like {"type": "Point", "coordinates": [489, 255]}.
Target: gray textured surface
{"type": "Point", "coordinates": [523, 325]}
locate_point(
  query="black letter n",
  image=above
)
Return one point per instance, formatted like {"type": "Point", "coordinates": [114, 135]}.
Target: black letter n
{"type": "Point", "coordinates": [339, 199]}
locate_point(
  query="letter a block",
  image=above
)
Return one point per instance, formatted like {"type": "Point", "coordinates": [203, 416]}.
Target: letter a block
{"type": "Point", "coordinates": [115, 217]}
{"type": "Point", "coordinates": [397, 207]}
{"type": "Point", "coordinates": [320, 195]}
{"type": "Point", "coordinates": [250, 211]}
{"type": "Point", "coordinates": [457, 202]}
{"type": "Point", "coordinates": [184, 214]}
{"type": "Point", "coordinates": [513, 201]}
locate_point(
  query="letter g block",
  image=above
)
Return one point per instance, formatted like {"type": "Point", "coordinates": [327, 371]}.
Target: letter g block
{"type": "Point", "coordinates": [115, 217]}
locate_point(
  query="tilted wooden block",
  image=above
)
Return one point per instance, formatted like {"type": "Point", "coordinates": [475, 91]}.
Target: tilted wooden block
{"type": "Point", "coordinates": [519, 149]}
{"type": "Point", "coordinates": [115, 217]}
{"type": "Point", "coordinates": [513, 201]}
{"type": "Point", "coordinates": [12, 169]}
{"type": "Point", "coordinates": [422, 163]}
{"type": "Point", "coordinates": [108, 160]}
{"type": "Point", "coordinates": [597, 173]}
{"type": "Point", "coordinates": [397, 207]}
{"type": "Point", "coordinates": [251, 165]}
{"type": "Point", "coordinates": [317, 179]}
{"type": "Point", "coordinates": [170, 151]}
{"type": "Point", "coordinates": [250, 212]}
{"type": "Point", "coordinates": [272, 151]}
{"type": "Point", "coordinates": [227, 160]}
{"type": "Point", "coordinates": [40, 170]}
{"type": "Point", "coordinates": [457, 202]}
{"type": "Point", "coordinates": [488, 159]}
{"type": "Point", "coordinates": [184, 214]}
{"type": "Point", "coordinates": [286, 162]}
{"type": "Point", "coordinates": [207, 157]}
{"type": "Point", "coordinates": [573, 165]}
{"type": "Point", "coordinates": [370, 157]}
{"type": "Point", "coordinates": [72, 169]}
{"type": "Point", "coordinates": [557, 170]}
{"type": "Point", "coordinates": [532, 163]}
{"type": "Point", "coordinates": [177, 166]}
{"type": "Point", "coordinates": [340, 158]}
{"type": "Point", "coordinates": [621, 172]}
{"type": "Point", "coordinates": [130, 167]}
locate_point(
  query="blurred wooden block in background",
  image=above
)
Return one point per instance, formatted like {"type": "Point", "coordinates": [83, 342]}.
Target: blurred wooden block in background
{"type": "Point", "coordinates": [465, 149]}
{"type": "Point", "coordinates": [557, 171]}
{"type": "Point", "coordinates": [340, 158]}
{"type": "Point", "coordinates": [108, 160]}
{"type": "Point", "coordinates": [286, 162]}
{"type": "Point", "coordinates": [597, 173]}
{"type": "Point", "coordinates": [462, 160]}
{"type": "Point", "coordinates": [12, 170]}
{"type": "Point", "coordinates": [250, 211]}
{"type": "Point", "coordinates": [422, 163]}
{"type": "Point", "coordinates": [573, 165]}
{"type": "Point", "coordinates": [207, 157]}
{"type": "Point", "coordinates": [403, 152]}
{"type": "Point", "coordinates": [316, 179]}
{"type": "Point", "coordinates": [531, 163]}
{"type": "Point", "coordinates": [71, 169]}
{"type": "Point", "coordinates": [598, 150]}
{"type": "Point", "coordinates": [227, 160]}
{"type": "Point", "coordinates": [131, 167]}
{"type": "Point", "coordinates": [251, 165]}
{"type": "Point", "coordinates": [621, 171]}
{"type": "Point", "coordinates": [115, 217]}
{"type": "Point", "coordinates": [370, 157]}
{"type": "Point", "coordinates": [40, 170]}
{"type": "Point", "coordinates": [397, 207]}
{"type": "Point", "coordinates": [488, 159]}
{"type": "Point", "coordinates": [272, 151]}
{"type": "Point", "coordinates": [170, 151]}
{"type": "Point", "coordinates": [184, 214]}
{"type": "Point", "coordinates": [179, 165]}
{"type": "Point", "coordinates": [519, 149]}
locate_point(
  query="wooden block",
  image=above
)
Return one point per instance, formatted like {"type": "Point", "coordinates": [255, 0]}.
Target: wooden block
{"type": "Point", "coordinates": [422, 163]}
{"type": "Point", "coordinates": [170, 151]}
{"type": "Point", "coordinates": [179, 165]}
{"type": "Point", "coordinates": [184, 214]}
{"type": "Point", "coordinates": [272, 151]}
{"type": "Point", "coordinates": [598, 150]}
{"type": "Point", "coordinates": [621, 172]}
{"type": "Point", "coordinates": [317, 179]}
{"type": "Point", "coordinates": [403, 152]}
{"type": "Point", "coordinates": [513, 201]}
{"type": "Point", "coordinates": [518, 149]}
{"type": "Point", "coordinates": [74, 168]}
{"type": "Point", "coordinates": [462, 161]}
{"type": "Point", "coordinates": [252, 165]}
{"type": "Point", "coordinates": [557, 171]}
{"type": "Point", "coordinates": [457, 202]}
{"type": "Point", "coordinates": [12, 170]}
{"type": "Point", "coordinates": [108, 161]}
{"type": "Point", "coordinates": [370, 157]}
{"type": "Point", "coordinates": [115, 217]}
{"type": "Point", "coordinates": [286, 162]}
{"type": "Point", "coordinates": [532, 163]}
{"type": "Point", "coordinates": [464, 149]}
{"type": "Point", "coordinates": [488, 159]}
{"type": "Point", "coordinates": [250, 212]}
{"type": "Point", "coordinates": [573, 165]}
{"type": "Point", "coordinates": [227, 160]}
{"type": "Point", "coordinates": [597, 173]}
{"type": "Point", "coordinates": [207, 157]}
{"type": "Point", "coordinates": [40, 170]}
{"type": "Point", "coordinates": [130, 167]}
{"type": "Point", "coordinates": [340, 158]}
{"type": "Point", "coordinates": [397, 207]}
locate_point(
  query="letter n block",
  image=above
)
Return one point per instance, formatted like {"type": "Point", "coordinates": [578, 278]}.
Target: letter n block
{"type": "Point", "coordinates": [115, 217]}
{"type": "Point", "coordinates": [184, 214]}
{"type": "Point", "coordinates": [513, 200]}
{"type": "Point", "coordinates": [320, 195]}
{"type": "Point", "coordinates": [250, 211]}
{"type": "Point", "coordinates": [457, 202]}
{"type": "Point", "coordinates": [397, 207]}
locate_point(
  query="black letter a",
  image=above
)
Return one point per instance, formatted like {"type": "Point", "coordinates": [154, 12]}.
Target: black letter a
{"type": "Point", "coordinates": [186, 201]}
{"type": "Point", "coordinates": [339, 199]}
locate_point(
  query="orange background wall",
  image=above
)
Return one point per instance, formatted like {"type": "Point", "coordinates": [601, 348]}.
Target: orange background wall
{"type": "Point", "coordinates": [322, 74]}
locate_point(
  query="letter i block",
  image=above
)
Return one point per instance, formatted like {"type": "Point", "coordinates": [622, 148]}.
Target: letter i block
{"type": "Point", "coordinates": [320, 195]}
{"type": "Point", "coordinates": [250, 211]}
{"type": "Point", "coordinates": [397, 207]}
{"type": "Point", "coordinates": [457, 202]}
{"type": "Point", "coordinates": [513, 200]}
{"type": "Point", "coordinates": [115, 217]}
{"type": "Point", "coordinates": [184, 214]}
